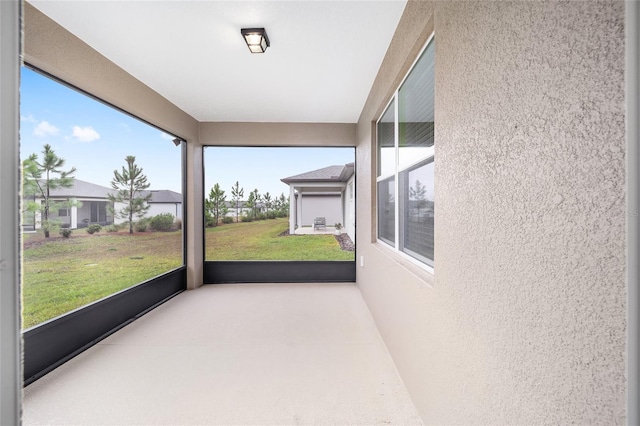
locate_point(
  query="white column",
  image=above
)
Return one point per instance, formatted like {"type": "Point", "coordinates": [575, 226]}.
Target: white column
{"type": "Point", "coordinates": [299, 209]}
{"type": "Point", "coordinates": [344, 209]}
{"type": "Point", "coordinates": [292, 210]}
{"type": "Point", "coordinates": [74, 217]}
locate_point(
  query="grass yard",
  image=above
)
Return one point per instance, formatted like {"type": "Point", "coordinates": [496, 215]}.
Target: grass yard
{"type": "Point", "coordinates": [61, 275]}
{"type": "Point", "coordinates": [261, 240]}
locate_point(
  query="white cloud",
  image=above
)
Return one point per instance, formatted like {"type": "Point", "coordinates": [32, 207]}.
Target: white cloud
{"type": "Point", "coordinates": [28, 118]}
{"type": "Point", "coordinates": [85, 134]}
{"type": "Point", "coordinates": [45, 129]}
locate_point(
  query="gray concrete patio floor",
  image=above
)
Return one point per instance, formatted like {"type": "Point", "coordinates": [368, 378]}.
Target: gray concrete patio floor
{"type": "Point", "coordinates": [308, 230]}
{"type": "Point", "coordinates": [233, 354]}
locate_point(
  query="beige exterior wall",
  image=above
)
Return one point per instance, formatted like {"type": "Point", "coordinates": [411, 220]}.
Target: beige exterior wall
{"type": "Point", "coordinates": [523, 321]}
{"type": "Point", "coordinates": [278, 134]}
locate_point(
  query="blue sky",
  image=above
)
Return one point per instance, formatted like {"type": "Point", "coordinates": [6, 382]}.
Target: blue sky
{"type": "Point", "coordinates": [262, 168]}
{"type": "Point", "coordinates": [90, 136]}
{"type": "Point", "coordinates": [96, 138]}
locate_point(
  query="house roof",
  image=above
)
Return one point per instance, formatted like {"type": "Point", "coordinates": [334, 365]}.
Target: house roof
{"type": "Point", "coordinates": [326, 174]}
{"type": "Point", "coordinates": [164, 196]}
{"type": "Point", "coordinates": [84, 189]}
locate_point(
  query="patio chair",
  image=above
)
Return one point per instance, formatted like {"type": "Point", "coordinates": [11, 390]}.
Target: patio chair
{"type": "Point", "coordinates": [319, 223]}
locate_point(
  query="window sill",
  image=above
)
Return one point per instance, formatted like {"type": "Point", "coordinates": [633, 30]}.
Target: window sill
{"type": "Point", "coordinates": [420, 272]}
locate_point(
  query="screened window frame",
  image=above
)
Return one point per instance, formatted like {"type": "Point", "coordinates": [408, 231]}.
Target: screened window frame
{"type": "Point", "coordinates": [429, 266]}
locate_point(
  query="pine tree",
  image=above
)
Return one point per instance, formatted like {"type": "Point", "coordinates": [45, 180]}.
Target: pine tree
{"type": "Point", "coordinates": [267, 202]}
{"type": "Point", "coordinates": [215, 204]}
{"type": "Point", "coordinates": [237, 193]}
{"type": "Point", "coordinates": [419, 194]}
{"type": "Point", "coordinates": [129, 185]}
{"type": "Point", "coordinates": [40, 177]}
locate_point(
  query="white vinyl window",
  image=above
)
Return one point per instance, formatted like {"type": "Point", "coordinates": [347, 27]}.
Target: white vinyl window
{"type": "Point", "coordinates": [405, 180]}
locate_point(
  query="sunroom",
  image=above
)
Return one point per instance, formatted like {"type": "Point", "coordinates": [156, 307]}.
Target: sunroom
{"type": "Point", "coordinates": [495, 188]}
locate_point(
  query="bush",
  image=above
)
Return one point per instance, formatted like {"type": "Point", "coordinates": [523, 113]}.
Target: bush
{"type": "Point", "coordinates": [227, 219]}
{"type": "Point", "coordinates": [162, 222]}
{"type": "Point", "coordinates": [271, 215]}
{"type": "Point", "coordinates": [141, 225]}
{"type": "Point", "coordinates": [65, 232]}
{"type": "Point", "coordinates": [111, 228]}
{"type": "Point", "coordinates": [261, 216]}
{"type": "Point", "coordinates": [246, 219]}
{"type": "Point", "coordinates": [93, 228]}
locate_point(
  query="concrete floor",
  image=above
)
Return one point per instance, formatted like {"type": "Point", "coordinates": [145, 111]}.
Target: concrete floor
{"type": "Point", "coordinates": [309, 230]}
{"type": "Point", "coordinates": [233, 354]}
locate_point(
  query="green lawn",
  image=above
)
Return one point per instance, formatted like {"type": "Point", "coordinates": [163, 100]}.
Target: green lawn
{"type": "Point", "coordinates": [261, 240]}
{"type": "Point", "coordinates": [61, 275]}
{"type": "Point", "coordinates": [64, 274]}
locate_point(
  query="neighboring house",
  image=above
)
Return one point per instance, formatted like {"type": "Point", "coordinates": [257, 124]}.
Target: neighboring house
{"type": "Point", "coordinates": [90, 204]}
{"type": "Point", "coordinates": [328, 192]}
{"type": "Point", "coordinates": [243, 209]}
{"type": "Point", "coordinates": [164, 201]}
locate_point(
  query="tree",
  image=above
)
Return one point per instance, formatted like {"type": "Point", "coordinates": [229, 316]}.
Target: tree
{"type": "Point", "coordinates": [419, 193]}
{"type": "Point", "coordinates": [267, 201]}
{"type": "Point", "coordinates": [129, 185]}
{"type": "Point", "coordinates": [215, 204]}
{"type": "Point", "coordinates": [251, 203]}
{"type": "Point", "coordinates": [256, 202]}
{"type": "Point", "coordinates": [40, 177]}
{"type": "Point", "coordinates": [236, 194]}
{"type": "Point", "coordinates": [284, 205]}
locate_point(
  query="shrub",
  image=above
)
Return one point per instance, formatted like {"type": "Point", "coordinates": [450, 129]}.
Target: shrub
{"type": "Point", "coordinates": [271, 215]}
{"type": "Point", "coordinates": [227, 219]}
{"type": "Point", "coordinates": [261, 216]}
{"type": "Point", "coordinates": [141, 225]}
{"type": "Point", "coordinates": [93, 228]}
{"type": "Point", "coordinates": [111, 228]}
{"type": "Point", "coordinates": [246, 219]}
{"type": "Point", "coordinates": [65, 232]}
{"type": "Point", "coordinates": [162, 222]}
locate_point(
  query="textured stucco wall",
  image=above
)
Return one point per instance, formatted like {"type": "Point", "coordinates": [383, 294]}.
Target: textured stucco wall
{"type": "Point", "coordinates": [523, 321]}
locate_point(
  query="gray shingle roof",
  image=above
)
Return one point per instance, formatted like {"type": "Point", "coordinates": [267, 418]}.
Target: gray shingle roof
{"type": "Point", "coordinates": [326, 174]}
{"type": "Point", "coordinates": [83, 189]}
{"type": "Point", "coordinates": [164, 196]}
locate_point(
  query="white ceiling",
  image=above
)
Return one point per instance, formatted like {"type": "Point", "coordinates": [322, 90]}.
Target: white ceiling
{"type": "Point", "coordinates": [323, 58]}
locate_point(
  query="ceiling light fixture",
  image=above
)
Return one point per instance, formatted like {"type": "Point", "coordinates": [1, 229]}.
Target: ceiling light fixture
{"type": "Point", "coordinates": [256, 39]}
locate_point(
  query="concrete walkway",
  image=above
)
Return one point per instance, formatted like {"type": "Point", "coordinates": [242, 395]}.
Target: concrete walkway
{"type": "Point", "coordinates": [308, 230]}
